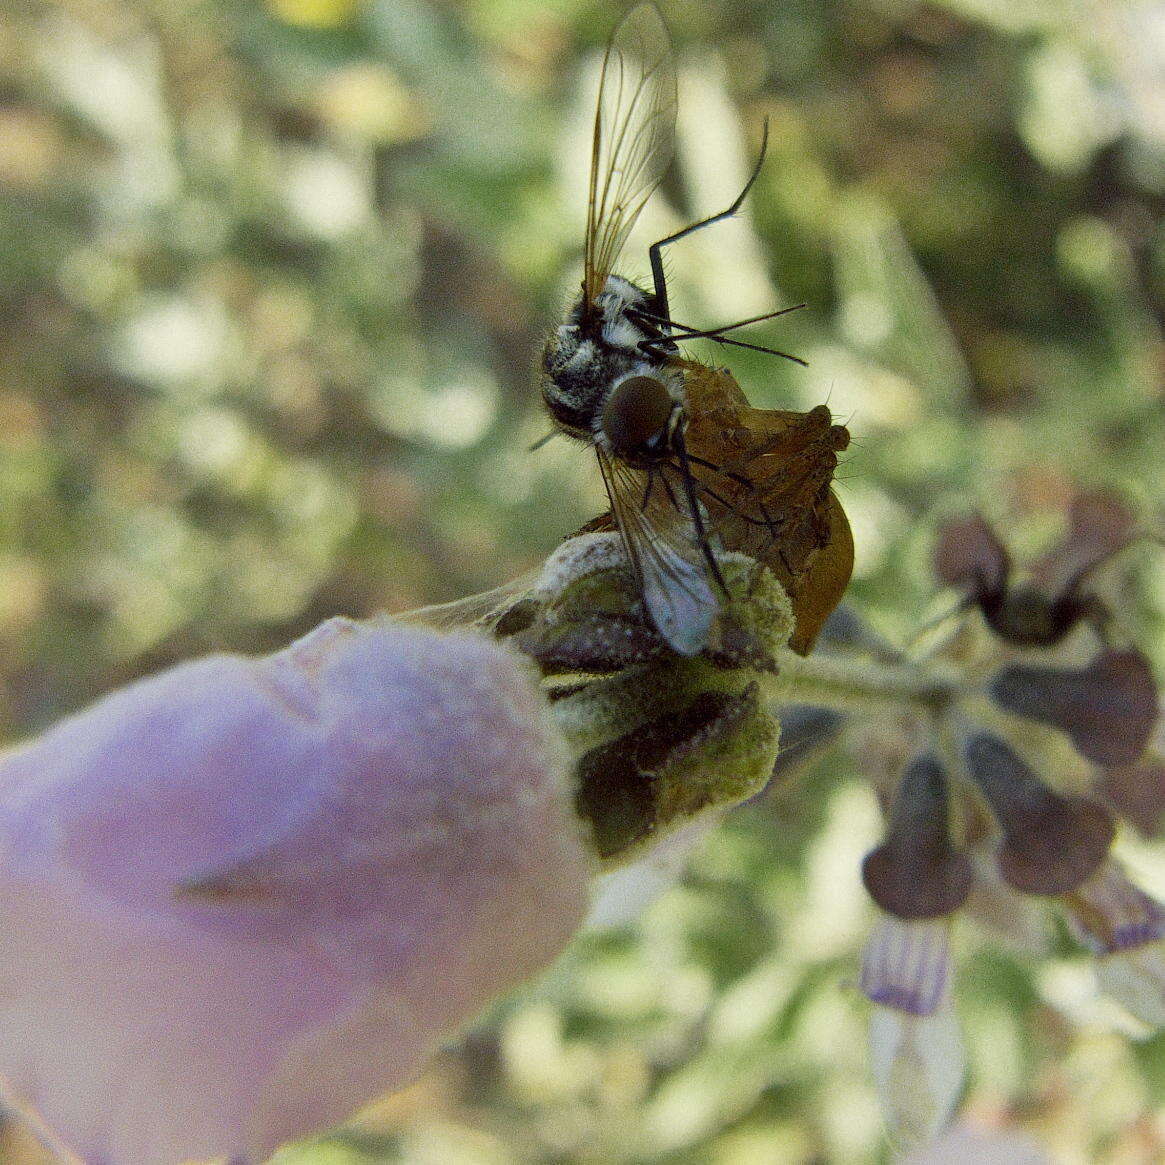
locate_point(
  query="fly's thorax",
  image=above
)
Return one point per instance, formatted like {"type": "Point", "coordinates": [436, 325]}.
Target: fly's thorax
{"type": "Point", "coordinates": [597, 347]}
{"type": "Point", "coordinates": [579, 370]}
{"type": "Point", "coordinates": [618, 329]}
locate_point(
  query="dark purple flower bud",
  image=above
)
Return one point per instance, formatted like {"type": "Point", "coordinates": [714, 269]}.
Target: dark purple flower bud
{"type": "Point", "coordinates": [970, 556]}
{"type": "Point", "coordinates": [846, 630]}
{"type": "Point", "coordinates": [1101, 524]}
{"type": "Point", "coordinates": [805, 729]}
{"type": "Point", "coordinates": [1137, 793]}
{"type": "Point", "coordinates": [1107, 708]}
{"type": "Point", "coordinates": [1052, 844]}
{"type": "Point", "coordinates": [916, 872]}
{"type": "Point", "coordinates": [1028, 617]}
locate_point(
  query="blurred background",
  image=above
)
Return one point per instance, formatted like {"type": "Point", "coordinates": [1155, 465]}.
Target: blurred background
{"type": "Point", "coordinates": [273, 282]}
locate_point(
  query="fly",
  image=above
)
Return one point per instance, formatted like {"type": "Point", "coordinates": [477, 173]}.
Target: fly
{"type": "Point", "coordinates": [614, 377]}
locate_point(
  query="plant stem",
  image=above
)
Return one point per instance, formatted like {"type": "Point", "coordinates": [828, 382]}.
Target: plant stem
{"type": "Point", "coordinates": [858, 685]}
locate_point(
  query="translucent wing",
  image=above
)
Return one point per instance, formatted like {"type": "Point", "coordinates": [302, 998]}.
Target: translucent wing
{"type": "Point", "coordinates": [480, 611]}
{"type": "Point", "coordinates": [673, 576]}
{"type": "Point", "coordinates": [634, 137]}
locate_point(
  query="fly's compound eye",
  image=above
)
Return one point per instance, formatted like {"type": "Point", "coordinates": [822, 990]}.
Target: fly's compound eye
{"type": "Point", "coordinates": [636, 414]}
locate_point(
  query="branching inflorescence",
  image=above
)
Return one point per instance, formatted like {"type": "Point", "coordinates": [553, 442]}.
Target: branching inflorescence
{"type": "Point", "coordinates": [1005, 755]}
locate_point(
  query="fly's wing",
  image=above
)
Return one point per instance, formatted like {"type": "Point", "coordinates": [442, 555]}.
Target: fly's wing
{"type": "Point", "coordinates": [480, 611]}
{"type": "Point", "coordinates": [673, 576]}
{"type": "Point", "coordinates": [634, 137]}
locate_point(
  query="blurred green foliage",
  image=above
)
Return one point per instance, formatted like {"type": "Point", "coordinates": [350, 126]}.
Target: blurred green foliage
{"type": "Point", "coordinates": [272, 284]}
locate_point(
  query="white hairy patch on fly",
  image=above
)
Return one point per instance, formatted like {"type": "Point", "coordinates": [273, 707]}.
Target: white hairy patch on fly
{"type": "Point", "coordinates": [582, 355]}
{"type": "Point", "coordinates": [617, 296]}
{"type": "Point", "coordinates": [624, 289]}
{"type": "Point", "coordinates": [622, 333]}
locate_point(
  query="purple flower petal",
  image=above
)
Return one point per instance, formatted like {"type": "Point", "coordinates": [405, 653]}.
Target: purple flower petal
{"type": "Point", "coordinates": [1052, 843]}
{"type": "Point", "coordinates": [1137, 793]}
{"type": "Point", "coordinates": [1107, 708]}
{"type": "Point", "coordinates": [1100, 524]}
{"type": "Point", "coordinates": [907, 965]}
{"type": "Point", "coordinates": [1109, 914]}
{"type": "Point", "coordinates": [244, 896]}
{"type": "Point", "coordinates": [805, 729]}
{"type": "Point", "coordinates": [970, 556]}
{"type": "Point", "coordinates": [916, 872]}
{"type": "Point", "coordinates": [1125, 928]}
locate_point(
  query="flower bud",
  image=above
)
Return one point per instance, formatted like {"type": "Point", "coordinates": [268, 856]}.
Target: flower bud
{"type": "Point", "coordinates": [1051, 843]}
{"type": "Point", "coordinates": [246, 895]}
{"type": "Point", "coordinates": [969, 555]}
{"type": "Point", "coordinates": [917, 872]}
{"type": "Point", "coordinates": [1107, 708]}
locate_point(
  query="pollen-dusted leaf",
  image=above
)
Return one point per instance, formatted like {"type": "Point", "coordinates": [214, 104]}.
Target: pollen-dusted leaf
{"type": "Point", "coordinates": [916, 872]}
{"type": "Point", "coordinates": [716, 750]}
{"type": "Point", "coordinates": [1108, 708]}
{"type": "Point", "coordinates": [597, 644]}
{"type": "Point", "coordinates": [1137, 793]}
{"type": "Point", "coordinates": [970, 556]}
{"type": "Point", "coordinates": [619, 783]}
{"type": "Point", "coordinates": [737, 646]}
{"type": "Point", "coordinates": [1101, 524]}
{"type": "Point", "coordinates": [766, 487]}
{"type": "Point", "coordinates": [1052, 843]}
{"type": "Point", "coordinates": [516, 617]}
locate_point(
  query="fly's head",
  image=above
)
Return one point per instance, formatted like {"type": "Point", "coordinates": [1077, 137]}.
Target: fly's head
{"type": "Point", "coordinates": [639, 417]}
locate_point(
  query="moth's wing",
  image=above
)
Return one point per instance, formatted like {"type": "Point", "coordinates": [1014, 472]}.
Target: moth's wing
{"type": "Point", "coordinates": [634, 137]}
{"type": "Point", "coordinates": [674, 579]}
